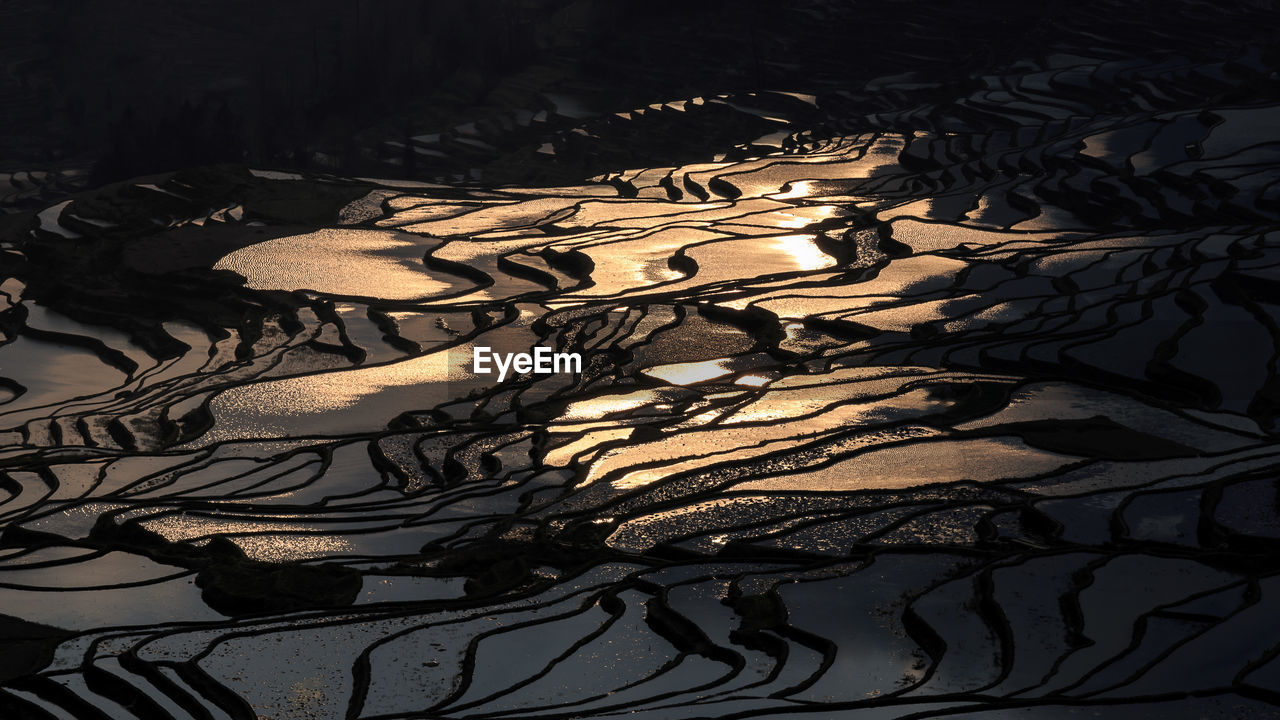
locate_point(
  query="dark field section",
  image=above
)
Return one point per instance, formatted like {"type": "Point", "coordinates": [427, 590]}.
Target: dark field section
{"type": "Point", "coordinates": [929, 360]}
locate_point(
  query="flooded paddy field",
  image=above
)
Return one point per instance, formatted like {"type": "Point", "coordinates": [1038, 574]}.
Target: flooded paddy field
{"type": "Point", "coordinates": [962, 409]}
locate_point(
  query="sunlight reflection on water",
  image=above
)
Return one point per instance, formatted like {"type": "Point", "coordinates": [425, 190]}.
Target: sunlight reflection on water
{"type": "Point", "coordinates": [368, 263]}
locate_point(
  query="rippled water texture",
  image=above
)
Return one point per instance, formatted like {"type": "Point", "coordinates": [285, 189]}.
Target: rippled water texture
{"type": "Point", "coordinates": [900, 418]}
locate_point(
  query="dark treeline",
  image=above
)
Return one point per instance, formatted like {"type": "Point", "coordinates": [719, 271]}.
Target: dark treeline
{"type": "Point", "coordinates": [150, 85]}
{"type": "Point", "coordinates": [145, 86]}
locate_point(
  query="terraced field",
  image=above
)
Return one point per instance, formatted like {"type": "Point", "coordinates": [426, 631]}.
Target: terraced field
{"type": "Point", "coordinates": [973, 418]}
